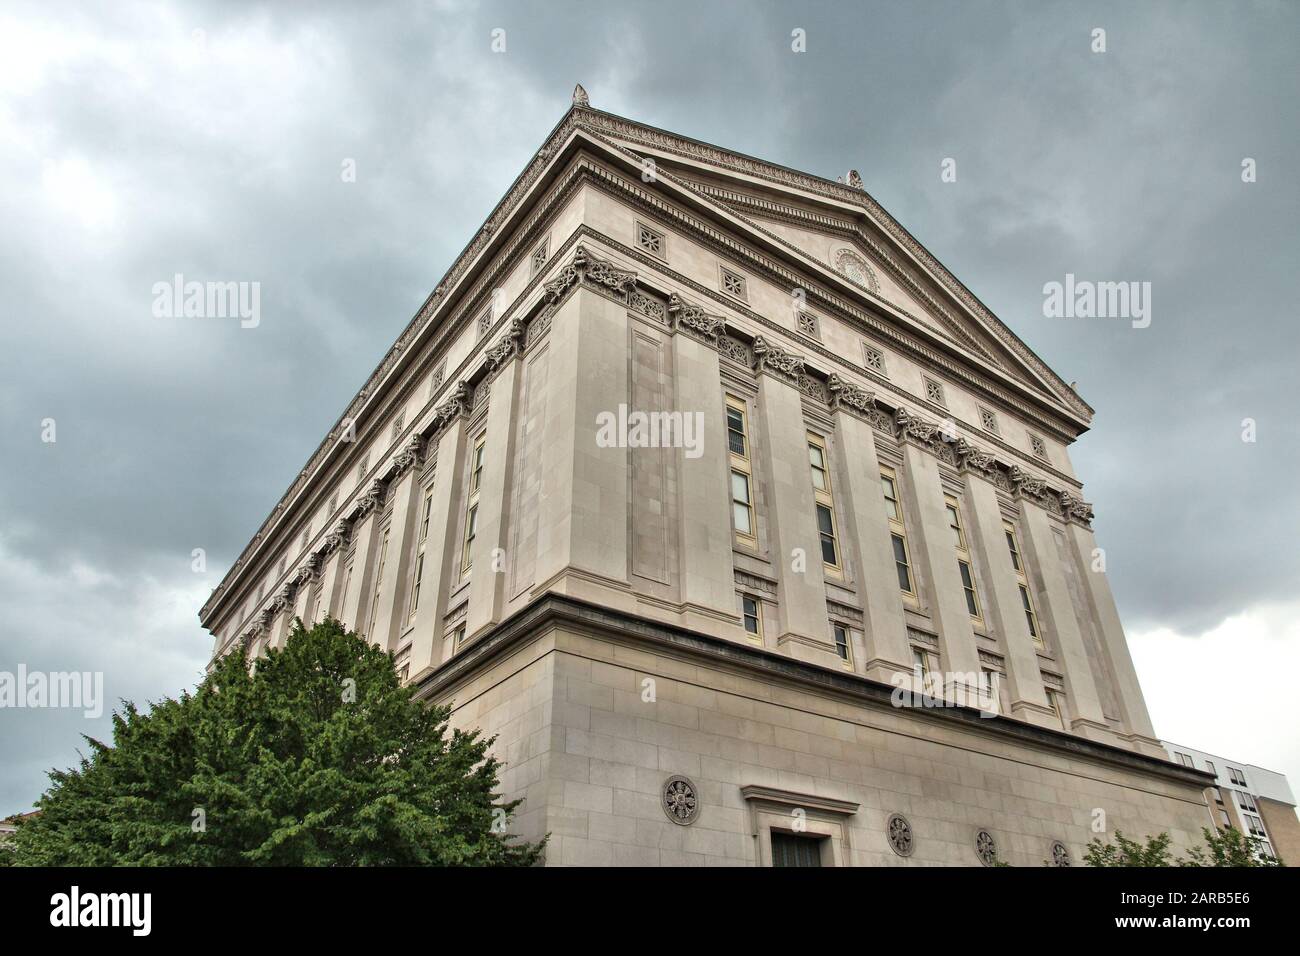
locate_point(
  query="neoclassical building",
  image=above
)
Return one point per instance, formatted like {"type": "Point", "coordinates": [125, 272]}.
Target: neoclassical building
{"type": "Point", "coordinates": [748, 530]}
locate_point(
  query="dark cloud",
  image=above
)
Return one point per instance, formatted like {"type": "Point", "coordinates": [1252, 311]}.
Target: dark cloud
{"type": "Point", "coordinates": [136, 148]}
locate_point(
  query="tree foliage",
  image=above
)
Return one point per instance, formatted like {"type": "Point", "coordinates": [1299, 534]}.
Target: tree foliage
{"type": "Point", "coordinates": [315, 756]}
{"type": "Point", "coordinates": [1229, 848]}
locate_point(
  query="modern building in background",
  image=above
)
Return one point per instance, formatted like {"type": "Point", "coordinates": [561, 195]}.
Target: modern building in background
{"type": "Point", "coordinates": [1248, 798]}
{"type": "Point", "coordinates": [707, 489]}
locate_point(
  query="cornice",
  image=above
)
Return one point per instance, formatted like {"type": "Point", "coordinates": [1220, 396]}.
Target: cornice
{"type": "Point", "coordinates": [554, 610]}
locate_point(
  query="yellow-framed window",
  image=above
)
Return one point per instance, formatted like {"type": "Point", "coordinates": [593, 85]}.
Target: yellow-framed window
{"type": "Point", "coordinates": [964, 566]}
{"type": "Point", "coordinates": [380, 567]}
{"type": "Point", "coordinates": [897, 531]}
{"type": "Point", "coordinates": [742, 471]}
{"type": "Point", "coordinates": [1022, 583]}
{"type": "Point", "coordinates": [751, 613]}
{"type": "Point", "coordinates": [842, 645]}
{"type": "Point", "coordinates": [422, 536]}
{"type": "Point", "coordinates": [471, 503]}
{"type": "Point", "coordinates": [824, 504]}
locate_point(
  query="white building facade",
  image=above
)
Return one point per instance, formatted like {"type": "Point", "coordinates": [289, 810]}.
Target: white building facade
{"type": "Point", "coordinates": [689, 468]}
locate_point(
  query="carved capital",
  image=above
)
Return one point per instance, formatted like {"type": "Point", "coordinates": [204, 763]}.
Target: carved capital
{"type": "Point", "coordinates": [459, 405]}
{"type": "Point", "coordinates": [373, 499]}
{"type": "Point", "coordinates": [1076, 509]}
{"type": "Point", "coordinates": [409, 457]}
{"type": "Point", "coordinates": [691, 318]}
{"type": "Point", "coordinates": [336, 539]}
{"type": "Point", "coordinates": [597, 272]}
{"type": "Point", "coordinates": [1026, 486]}
{"type": "Point", "coordinates": [933, 438]}
{"type": "Point", "coordinates": [509, 346]}
{"type": "Point", "coordinates": [847, 395]}
{"type": "Point", "coordinates": [769, 357]}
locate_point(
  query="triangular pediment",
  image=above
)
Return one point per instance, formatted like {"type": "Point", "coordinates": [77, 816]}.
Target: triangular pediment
{"type": "Point", "coordinates": [841, 229]}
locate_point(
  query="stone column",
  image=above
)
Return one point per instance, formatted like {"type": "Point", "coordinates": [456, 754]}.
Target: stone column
{"type": "Point", "coordinates": [1002, 606]}
{"type": "Point", "coordinates": [934, 549]}
{"type": "Point", "coordinates": [803, 628]}
{"type": "Point", "coordinates": [1063, 635]}
{"type": "Point", "coordinates": [404, 490]}
{"type": "Point", "coordinates": [490, 558]}
{"type": "Point", "coordinates": [867, 531]}
{"type": "Point", "coordinates": [282, 616]}
{"type": "Point", "coordinates": [705, 566]}
{"type": "Point", "coordinates": [331, 563]}
{"type": "Point", "coordinates": [561, 430]}
{"type": "Point", "coordinates": [1097, 594]}
{"type": "Point", "coordinates": [365, 521]}
{"type": "Point", "coordinates": [440, 548]}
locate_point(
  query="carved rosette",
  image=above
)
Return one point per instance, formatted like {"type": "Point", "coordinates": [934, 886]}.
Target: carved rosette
{"type": "Point", "coordinates": [847, 395]}
{"type": "Point", "coordinates": [781, 363]}
{"type": "Point", "coordinates": [694, 320]}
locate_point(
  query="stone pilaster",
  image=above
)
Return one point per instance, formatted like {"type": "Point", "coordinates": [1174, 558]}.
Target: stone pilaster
{"type": "Point", "coordinates": [404, 491]}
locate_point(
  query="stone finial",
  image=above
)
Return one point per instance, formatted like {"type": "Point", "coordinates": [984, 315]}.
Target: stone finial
{"type": "Point", "coordinates": [580, 97]}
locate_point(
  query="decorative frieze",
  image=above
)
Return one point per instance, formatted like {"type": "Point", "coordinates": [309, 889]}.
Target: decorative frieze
{"type": "Point", "coordinates": [694, 320]}
{"type": "Point", "coordinates": [509, 346]}
{"type": "Point", "coordinates": [336, 539]}
{"type": "Point", "coordinates": [370, 501]}
{"type": "Point", "coordinates": [648, 305]}
{"type": "Point", "coordinates": [408, 458]}
{"type": "Point", "coordinates": [458, 405]}
{"type": "Point", "coordinates": [845, 394]}
{"type": "Point", "coordinates": [1026, 486]}
{"type": "Point", "coordinates": [1076, 509]}
{"type": "Point", "coordinates": [736, 350]}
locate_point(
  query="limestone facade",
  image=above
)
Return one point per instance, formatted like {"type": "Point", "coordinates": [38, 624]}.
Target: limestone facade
{"type": "Point", "coordinates": [682, 417]}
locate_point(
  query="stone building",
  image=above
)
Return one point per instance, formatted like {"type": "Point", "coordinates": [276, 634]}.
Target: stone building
{"type": "Point", "coordinates": [707, 489]}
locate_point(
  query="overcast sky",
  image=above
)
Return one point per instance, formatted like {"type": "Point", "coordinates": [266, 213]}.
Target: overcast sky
{"type": "Point", "coordinates": [140, 141]}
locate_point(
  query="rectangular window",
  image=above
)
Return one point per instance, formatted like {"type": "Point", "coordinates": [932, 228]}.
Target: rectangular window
{"type": "Point", "coordinates": [1209, 765]}
{"type": "Point", "coordinates": [824, 501]}
{"type": "Point", "coordinates": [471, 504]}
{"type": "Point", "coordinates": [398, 422]}
{"type": "Point", "coordinates": [920, 663]}
{"type": "Point", "coordinates": [934, 391]}
{"type": "Point", "coordinates": [1037, 446]}
{"type": "Point", "coordinates": [796, 849]}
{"type": "Point", "coordinates": [379, 583]}
{"type": "Point", "coordinates": [1022, 582]}
{"type": "Point", "coordinates": [458, 638]}
{"type": "Point", "coordinates": [538, 258]}
{"type": "Point", "coordinates": [751, 611]}
{"type": "Point", "coordinates": [964, 566]}
{"type": "Point", "coordinates": [874, 358]}
{"type": "Point", "coordinates": [988, 421]}
{"type": "Point", "coordinates": [417, 573]}
{"type": "Point", "coordinates": [1054, 702]}
{"type": "Point", "coordinates": [841, 641]}
{"type": "Point", "coordinates": [362, 467]}
{"type": "Point", "coordinates": [742, 487]}
{"type": "Point", "coordinates": [897, 530]}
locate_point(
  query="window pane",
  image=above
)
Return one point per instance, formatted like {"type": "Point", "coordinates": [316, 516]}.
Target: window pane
{"type": "Point", "coordinates": [739, 487]}
{"type": "Point", "coordinates": [741, 515]}
{"type": "Point", "coordinates": [824, 522]}
{"type": "Point", "coordinates": [828, 551]}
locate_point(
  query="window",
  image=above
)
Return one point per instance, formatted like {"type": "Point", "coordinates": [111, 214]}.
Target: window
{"type": "Point", "coordinates": [934, 391]}
{"type": "Point", "coordinates": [1237, 776]}
{"type": "Point", "coordinates": [920, 663]}
{"type": "Point", "coordinates": [334, 503]}
{"type": "Point", "coordinates": [1054, 702]}
{"type": "Point", "coordinates": [1247, 801]}
{"type": "Point", "coordinates": [280, 571]}
{"type": "Point", "coordinates": [808, 325]}
{"type": "Point", "coordinates": [397, 424]}
{"type": "Point", "coordinates": [841, 641]}
{"type": "Point", "coordinates": [732, 283]}
{"type": "Point", "coordinates": [650, 240]}
{"type": "Point", "coordinates": [964, 567]}
{"type": "Point", "coordinates": [897, 530]}
{"type": "Point", "coordinates": [422, 536]}
{"type": "Point", "coordinates": [471, 504]}
{"type": "Point", "coordinates": [538, 259]}
{"type": "Point", "coordinates": [1184, 759]}
{"type": "Point", "coordinates": [379, 583]}
{"type": "Point", "coordinates": [825, 504]}
{"type": "Point", "coordinates": [742, 498]}
{"type": "Point", "coordinates": [752, 612]}
{"type": "Point", "coordinates": [1038, 447]}
{"type": "Point", "coordinates": [347, 584]}
{"type": "Point", "coordinates": [435, 380]}
{"type": "Point", "coordinates": [458, 637]}
{"type": "Point", "coordinates": [988, 421]}
{"type": "Point", "coordinates": [315, 606]}
{"type": "Point", "coordinates": [362, 467]}
{"type": "Point", "coordinates": [306, 537]}
{"type": "Point", "coordinates": [485, 322]}
{"type": "Point", "coordinates": [1209, 765]}
{"type": "Point", "coordinates": [1022, 583]}
{"type": "Point", "coordinates": [874, 358]}
{"type": "Point", "coordinates": [796, 849]}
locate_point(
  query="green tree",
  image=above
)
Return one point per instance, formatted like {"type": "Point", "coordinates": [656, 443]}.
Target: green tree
{"type": "Point", "coordinates": [1229, 848]}
{"type": "Point", "coordinates": [315, 756]}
